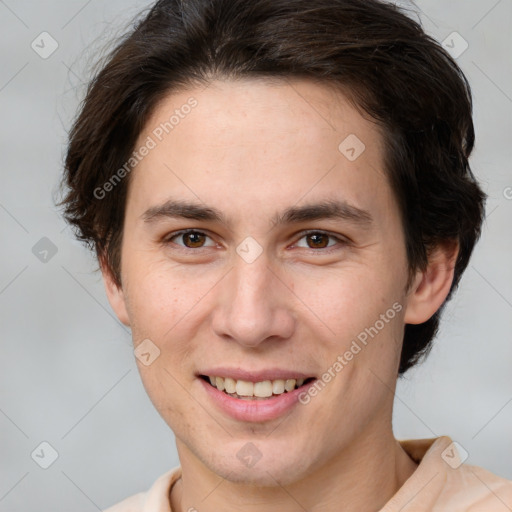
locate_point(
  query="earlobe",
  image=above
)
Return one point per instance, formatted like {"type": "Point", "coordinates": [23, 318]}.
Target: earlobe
{"type": "Point", "coordinates": [115, 295]}
{"type": "Point", "coordinates": [432, 285]}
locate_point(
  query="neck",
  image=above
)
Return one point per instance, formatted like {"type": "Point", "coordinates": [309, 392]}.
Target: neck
{"type": "Point", "coordinates": [363, 476]}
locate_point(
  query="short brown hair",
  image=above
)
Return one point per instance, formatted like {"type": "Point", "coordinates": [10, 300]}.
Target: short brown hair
{"type": "Point", "coordinates": [394, 72]}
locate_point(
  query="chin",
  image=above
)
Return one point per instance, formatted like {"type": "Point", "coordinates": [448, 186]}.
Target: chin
{"type": "Point", "coordinates": [267, 471]}
{"type": "Point", "coordinates": [261, 477]}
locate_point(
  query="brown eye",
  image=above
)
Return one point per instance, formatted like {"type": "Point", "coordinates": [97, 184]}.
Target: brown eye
{"type": "Point", "coordinates": [193, 239]}
{"type": "Point", "coordinates": [190, 239]}
{"type": "Point", "coordinates": [317, 240]}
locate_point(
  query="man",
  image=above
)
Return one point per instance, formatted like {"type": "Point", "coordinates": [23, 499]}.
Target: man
{"type": "Point", "coordinates": [281, 203]}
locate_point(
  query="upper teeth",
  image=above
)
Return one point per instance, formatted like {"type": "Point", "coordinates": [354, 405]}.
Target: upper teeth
{"type": "Point", "coordinates": [260, 389]}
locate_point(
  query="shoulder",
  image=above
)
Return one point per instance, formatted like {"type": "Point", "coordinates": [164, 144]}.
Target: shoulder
{"type": "Point", "coordinates": [442, 481]}
{"type": "Point", "coordinates": [478, 489]}
{"type": "Point", "coordinates": [156, 499]}
{"type": "Point", "coordinates": [467, 483]}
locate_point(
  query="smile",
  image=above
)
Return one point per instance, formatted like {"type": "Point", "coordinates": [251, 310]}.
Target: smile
{"type": "Point", "coordinates": [246, 390]}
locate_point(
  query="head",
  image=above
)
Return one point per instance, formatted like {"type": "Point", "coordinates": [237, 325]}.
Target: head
{"type": "Point", "coordinates": [318, 150]}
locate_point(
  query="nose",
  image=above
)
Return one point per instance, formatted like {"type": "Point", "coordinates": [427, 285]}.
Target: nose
{"type": "Point", "coordinates": [253, 305]}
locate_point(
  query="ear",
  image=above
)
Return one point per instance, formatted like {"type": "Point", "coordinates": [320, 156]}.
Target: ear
{"type": "Point", "coordinates": [432, 285]}
{"type": "Point", "coordinates": [115, 293]}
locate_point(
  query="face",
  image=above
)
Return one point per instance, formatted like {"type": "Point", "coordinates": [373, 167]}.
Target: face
{"type": "Point", "coordinates": [263, 245]}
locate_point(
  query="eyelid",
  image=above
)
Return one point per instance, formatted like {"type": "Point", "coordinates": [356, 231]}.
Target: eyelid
{"type": "Point", "coordinates": [339, 238]}
{"type": "Point", "coordinates": [167, 239]}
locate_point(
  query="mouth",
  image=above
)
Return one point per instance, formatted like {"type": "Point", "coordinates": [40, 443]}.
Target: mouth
{"type": "Point", "coordinates": [262, 390]}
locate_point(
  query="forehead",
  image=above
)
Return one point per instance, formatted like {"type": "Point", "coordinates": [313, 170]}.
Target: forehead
{"type": "Point", "coordinates": [261, 107]}
{"type": "Point", "coordinates": [262, 140]}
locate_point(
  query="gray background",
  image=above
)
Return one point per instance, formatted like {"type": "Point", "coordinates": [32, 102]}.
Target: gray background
{"type": "Point", "coordinates": [67, 372]}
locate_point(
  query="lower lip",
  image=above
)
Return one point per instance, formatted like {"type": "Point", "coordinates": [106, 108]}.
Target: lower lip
{"type": "Point", "coordinates": [255, 410]}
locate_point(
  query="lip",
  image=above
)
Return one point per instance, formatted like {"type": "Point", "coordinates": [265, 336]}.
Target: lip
{"type": "Point", "coordinates": [254, 410]}
{"type": "Point", "coordinates": [254, 376]}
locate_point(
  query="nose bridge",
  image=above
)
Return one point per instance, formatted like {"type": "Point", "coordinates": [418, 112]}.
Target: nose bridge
{"type": "Point", "coordinates": [252, 284]}
{"type": "Point", "coordinates": [253, 306]}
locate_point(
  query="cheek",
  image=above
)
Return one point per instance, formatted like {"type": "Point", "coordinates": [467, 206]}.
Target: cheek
{"type": "Point", "coordinates": [154, 305]}
{"type": "Point", "coordinates": [345, 301]}
{"type": "Point", "coordinates": [162, 296]}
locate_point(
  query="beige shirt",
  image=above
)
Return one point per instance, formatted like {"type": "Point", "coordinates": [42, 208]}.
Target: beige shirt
{"type": "Point", "coordinates": [440, 484]}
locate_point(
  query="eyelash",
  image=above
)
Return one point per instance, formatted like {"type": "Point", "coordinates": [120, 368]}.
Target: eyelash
{"type": "Point", "coordinates": [341, 241]}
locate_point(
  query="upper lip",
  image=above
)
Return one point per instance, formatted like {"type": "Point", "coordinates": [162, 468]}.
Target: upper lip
{"type": "Point", "coordinates": [254, 376]}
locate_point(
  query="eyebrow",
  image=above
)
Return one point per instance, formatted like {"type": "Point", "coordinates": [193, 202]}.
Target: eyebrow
{"type": "Point", "coordinates": [329, 209]}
